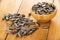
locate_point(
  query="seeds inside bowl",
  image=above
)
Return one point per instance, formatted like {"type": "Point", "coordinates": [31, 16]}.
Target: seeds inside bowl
{"type": "Point", "coordinates": [43, 8]}
{"type": "Point", "coordinates": [19, 24]}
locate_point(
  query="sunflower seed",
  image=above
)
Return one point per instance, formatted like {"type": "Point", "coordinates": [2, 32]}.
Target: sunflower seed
{"type": "Point", "coordinates": [29, 14]}
{"type": "Point", "coordinates": [31, 30]}
{"type": "Point", "coordinates": [23, 15]}
{"type": "Point", "coordinates": [14, 32]}
{"type": "Point", "coordinates": [4, 18]}
{"type": "Point", "coordinates": [19, 25]}
{"type": "Point", "coordinates": [45, 27]}
{"type": "Point", "coordinates": [43, 8]}
{"type": "Point", "coordinates": [8, 31]}
{"type": "Point", "coordinates": [18, 35]}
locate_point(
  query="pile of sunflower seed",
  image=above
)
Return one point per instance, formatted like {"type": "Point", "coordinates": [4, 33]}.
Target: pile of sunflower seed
{"type": "Point", "coordinates": [19, 24]}
{"type": "Point", "coordinates": [43, 8]}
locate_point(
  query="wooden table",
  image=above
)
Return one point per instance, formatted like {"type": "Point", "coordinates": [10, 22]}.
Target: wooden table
{"type": "Point", "coordinates": [24, 7]}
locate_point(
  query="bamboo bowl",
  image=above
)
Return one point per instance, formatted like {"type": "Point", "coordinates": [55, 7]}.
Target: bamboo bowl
{"type": "Point", "coordinates": [44, 18]}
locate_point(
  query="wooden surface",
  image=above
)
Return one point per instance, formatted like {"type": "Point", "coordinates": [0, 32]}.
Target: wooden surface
{"type": "Point", "coordinates": [24, 7]}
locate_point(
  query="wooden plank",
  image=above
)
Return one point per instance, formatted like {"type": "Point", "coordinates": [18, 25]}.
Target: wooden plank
{"type": "Point", "coordinates": [40, 34]}
{"type": "Point", "coordinates": [6, 7]}
{"type": "Point", "coordinates": [10, 6]}
{"type": "Point", "coordinates": [54, 31]}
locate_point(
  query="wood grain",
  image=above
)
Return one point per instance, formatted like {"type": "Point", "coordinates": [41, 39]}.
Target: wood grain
{"type": "Point", "coordinates": [6, 7]}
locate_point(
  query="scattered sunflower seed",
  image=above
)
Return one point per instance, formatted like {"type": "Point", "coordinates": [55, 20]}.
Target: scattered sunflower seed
{"type": "Point", "coordinates": [29, 14]}
{"type": "Point", "coordinates": [8, 31]}
{"type": "Point", "coordinates": [31, 30]}
{"type": "Point", "coordinates": [18, 34]}
{"type": "Point", "coordinates": [45, 27]}
{"type": "Point", "coordinates": [19, 24]}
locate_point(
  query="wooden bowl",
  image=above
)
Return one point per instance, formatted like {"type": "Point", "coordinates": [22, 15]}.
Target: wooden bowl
{"type": "Point", "coordinates": [44, 18]}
